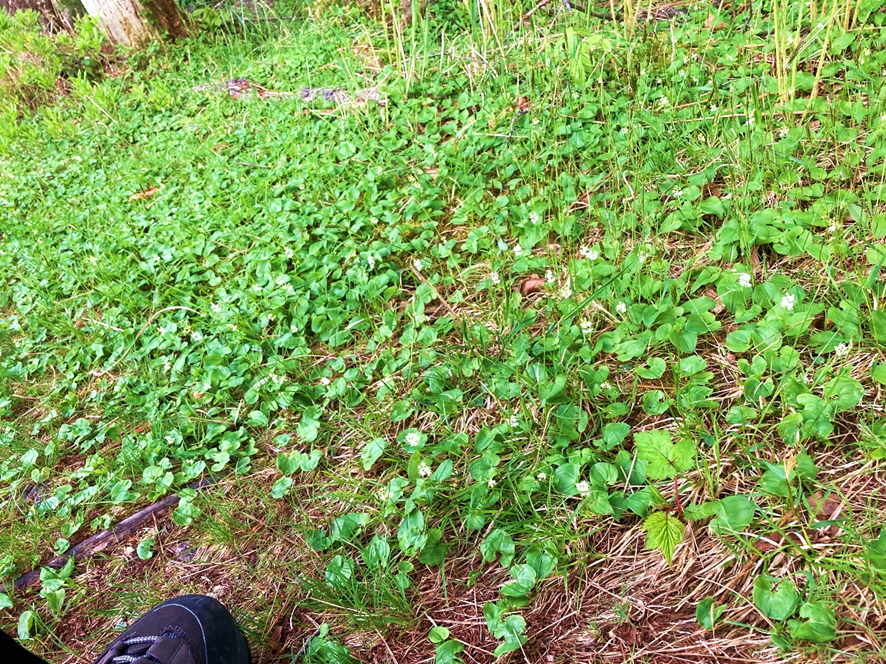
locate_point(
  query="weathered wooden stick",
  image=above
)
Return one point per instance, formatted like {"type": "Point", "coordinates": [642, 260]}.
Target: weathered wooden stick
{"type": "Point", "coordinates": [98, 542]}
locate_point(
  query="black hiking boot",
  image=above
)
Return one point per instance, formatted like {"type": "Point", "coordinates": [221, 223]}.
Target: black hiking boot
{"type": "Point", "coordinates": [191, 629]}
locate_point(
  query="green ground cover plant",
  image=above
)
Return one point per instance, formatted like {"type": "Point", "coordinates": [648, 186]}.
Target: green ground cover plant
{"type": "Point", "coordinates": [566, 337]}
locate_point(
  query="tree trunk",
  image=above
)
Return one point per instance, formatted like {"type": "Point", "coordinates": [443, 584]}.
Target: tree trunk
{"type": "Point", "coordinates": [135, 22]}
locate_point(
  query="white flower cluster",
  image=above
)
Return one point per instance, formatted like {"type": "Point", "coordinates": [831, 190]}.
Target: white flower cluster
{"type": "Point", "coordinates": [412, 439]}
{"type": "Point", "coordinates": [590, 253]}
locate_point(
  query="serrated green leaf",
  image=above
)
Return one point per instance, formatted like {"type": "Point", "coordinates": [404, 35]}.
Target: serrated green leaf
{"type": "Point", "coordinates": [666, 459]}
{"type": "Point", "coordinates": [663, 532]}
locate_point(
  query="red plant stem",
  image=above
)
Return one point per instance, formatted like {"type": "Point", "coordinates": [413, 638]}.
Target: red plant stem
{"type": "Point", "coordinates": [677, 497]}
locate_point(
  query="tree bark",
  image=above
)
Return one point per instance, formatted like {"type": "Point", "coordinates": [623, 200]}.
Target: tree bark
{"type": "Point", "coordinates": [135, 22]}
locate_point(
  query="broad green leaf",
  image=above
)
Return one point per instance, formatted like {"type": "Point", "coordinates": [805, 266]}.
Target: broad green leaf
{"type": "Point", "coordinates": [378, 553]}
{"type": "Point", "coordinates": [541, 561]}
{"type": "Point", "coordinates": [401, 410]}
{"type": "Point", "coordinates": [708, 612]}
{"type": "Point", "coordinates": [778, 604]}
{"type": "Point", "coordinates": [843, 393]}
{"type": "Point", "coordinates": [281, 487]}
{"type": "Point", "coordinates": [655, 402]}
{"type": "Point", "coordinates": [372, 452]}
{"type": "Point", "coordinates": [145, 548]}
{"type": "Point", "coordinates": [438, 634]}
{"type": "Point", "coordinates": [820, 625]}
{"type": "Point", "coordinates": [656, 367]}
{"type": "Point", "coordinates": [875, 553]}
{"type": "Point", "coordinates": [446, 652]}
{"type": "Point", "coordinates": [614, 433]}
{"type": "Point", "coordinates": [498, 542]}
{"type": "Point", "coordinates": [734, 513]}
{"type": "Point", "coordinates": [348, 526]}
{"type": "Point", "coordinates": [666, 459]}
{"type": "Point", "coordinates": [524, 579]}
{"type": "Point", "coordinates": [26, 624]}
{"type": "Point", "coordinates": [663, 532]}
{"type": "Point", "coordinates": [5, 602]}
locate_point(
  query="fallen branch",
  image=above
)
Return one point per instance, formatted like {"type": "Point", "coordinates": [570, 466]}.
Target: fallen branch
{"type": "Point", "coordinates": [98, 542]}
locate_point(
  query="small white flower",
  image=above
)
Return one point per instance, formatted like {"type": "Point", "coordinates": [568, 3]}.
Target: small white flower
{"type": "Point", "coordinates": [621, 308]}
{"type": "Point", "coordinates": [842, 350]}
{"type": "Point", "coordinates": [495, 278]}
{"type": "Point", "coordinates": [534, 217]}
{"type": "Point", "coordinates": [281, 279]}
{"type": "Point", "coordinates": [565, 292]}
{"type": "Point", "coordinates": [788, 301]}
{"type": "Point", "coordinates": [513, 421]}
{"type": "Point", "coordinates": [590, 253]}
{"type": "Point", "coordinates": [832, 228]}
{"type": "Point", "coordinates": [535, 121]}
{"type": "Point", "coordinates": [518, 250]}
{"type": "Point", "coordinates": [541, 477]}
{"type": "Point", "coordinates": [216, 307]}
{"type": "Point", "coordinates": [374, 221]}
{"type": "Point", "coordinates": [289, 252]}
{"type": "Point", "coordinates": [490, 483]}
{"type": "Point", "coordinates": [417, 264]}
{"type": "Point", "coordinates": [324, 381]}
{"type": "Point", "coordinates": [384, 495]}
{"type": "Point", "coordinates": [605, 385]}
{"type": "Point", "coordinates": [678, 193]}
{"type": "Point", "coordinates": [413, 439]}
{"type": "Point", "coordinates": [167, 366]}
{"type": "Point", "coordinates": [170, 440]}
{"type": "Point", "coordinates": [197, 336]}
{"type": "Point", "coordinates": [583, 488]}
{"type": "Point", "coordinates": [424, 469]}
{"type": "Point", "coordinates": [587, 327]}
{"type": "Point", "coordinates": [713, 108]}
{"type": "Point", "coordinates": [663, 102]}
{"type": "Point", "coordinates": [370, 261]}
{"type": "Point", "coordinates": [549, 277]}
{"type": "Point", "coordinates": [744, 280]}
{"type": "Point", "coordinates": [256, 289]}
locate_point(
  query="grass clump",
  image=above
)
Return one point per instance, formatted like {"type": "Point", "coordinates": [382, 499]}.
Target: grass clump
{"type": "Point", "coordinates": [503, 337]}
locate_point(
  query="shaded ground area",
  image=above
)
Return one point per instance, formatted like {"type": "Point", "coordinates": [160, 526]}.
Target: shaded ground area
{"type": "Point", "coordinates": [622, 603]}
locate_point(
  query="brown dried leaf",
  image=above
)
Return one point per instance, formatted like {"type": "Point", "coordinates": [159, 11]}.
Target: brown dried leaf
{"type": "Point", "coordinates": [720, 308]}
{"type": "Point", "coordinates": [147, 193]}
{"type": "Point", "coordinates": [755, 258]}
{"type": "Point", "coordinates": [531, 284]}
{"type": "Point", "coordinates": [709, 23]}
{"type": "Point", "coordinates": [522, 104]}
